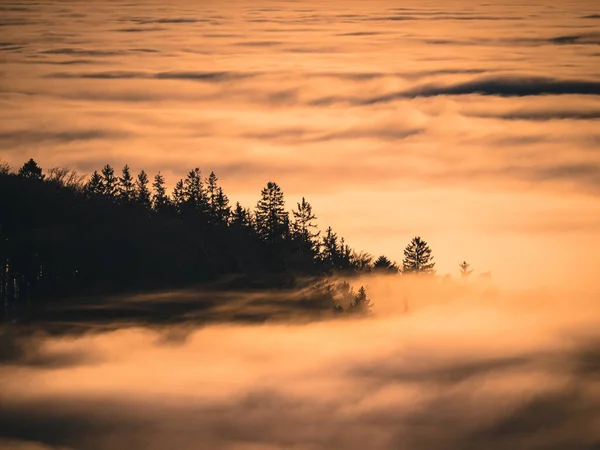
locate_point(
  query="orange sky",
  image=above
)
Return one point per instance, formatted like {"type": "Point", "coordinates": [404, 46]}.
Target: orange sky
{"type": "Point", "coordinates": [473, 126]}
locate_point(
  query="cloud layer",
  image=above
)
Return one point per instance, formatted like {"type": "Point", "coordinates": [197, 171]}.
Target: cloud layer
{"type": "Point", "coordinates": [325, 98]}
{"type": "Point", "coordinates": [441, 365]}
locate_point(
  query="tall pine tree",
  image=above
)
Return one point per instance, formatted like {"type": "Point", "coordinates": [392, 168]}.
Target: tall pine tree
{"type": "Point", "coordinates": [272, 220]}
{"type": "Point", "coordinates": [304, 230]}
{"type": "Point", "coordinates": [109, 181]}
{"type": "Point", "coordinates": [126, 186]}
{"type": "Point", "coordinates": [179, 197]}
{"type": "Point", "coordinates": [160, 199]}
{"type": "Point", "coordinates": [194, 194]}
{"type": "Point", "coordinates": [142, 193]}
{"type": "Point", "coordinates": [222, 210]}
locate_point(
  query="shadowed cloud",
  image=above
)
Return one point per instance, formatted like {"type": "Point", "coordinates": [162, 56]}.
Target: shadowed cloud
{"type": "Point", "coordinates": [541, 115]}
{"type": "Point", "coordinates": [84, 52]}
{"type": "Point", "coordinates": [24, 137]}
{"type": "Point", "coordinates": [472, 374]}
{"type": "Point", "coordinates": [140, 30]}
{"type": "Point", "coordinates": [508, 86]}
{"type": "Point", "coordinates": [191, 75]}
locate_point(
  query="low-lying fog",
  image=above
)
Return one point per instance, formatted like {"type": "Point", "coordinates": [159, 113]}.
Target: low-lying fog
{"type": "Point", "coordinates": [440, 364]}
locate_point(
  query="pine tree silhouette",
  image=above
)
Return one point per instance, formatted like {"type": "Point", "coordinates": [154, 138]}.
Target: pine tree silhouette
{"type": "Point", "coordinates": [330, 248]}
{"type": "Point", "coordinates": [384, 265]}
{"type": "Point", "coordinates": [194, 195]}
{"type": "Point", "coordinates": [361, 304]}
{"type": "Point", "coordinates": [160, 199]}
{"type": "Point", "coordinates": [95, 185]}
{"type": "Point", "coordinates": [241, 217]}
{"type": "Point", "coordinates": [142, 193]}
{"type": "Point", "coordinates": [272, 221]}
{"type": "Point", "coordinates": [31, 170]}
{"type": "Point", "coordinates": [222, 210]}
{"type": "Point", "coordinates": [109, 182]}
{"type": "Point", "coordinates": [179, 197]}
{"type": "Point", "coordinates": [126, 188]}
{"type": "Point", "coordinates": [304, 230]}
{"type": "Point", "coordinates": [418, 258]}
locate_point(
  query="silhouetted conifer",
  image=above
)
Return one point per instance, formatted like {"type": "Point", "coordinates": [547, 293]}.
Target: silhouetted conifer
{"type": "Point", "coordinates": [304, 230]}
{"type": "Point", "coordinates": [194, 194]}
{"type": "Point", "coordinates": [344, 259]}
{"type": "Point", "coordinates": [160, 199]}
{"type": "Point", "coordinates": [179, 196]}
{"type": "Point", "coordinates": [329, 248]}
{"type": "Point", "coordinates": [222, 210]}
{"type": "Point", "coordinates": [272, 221]}
{"type": "Point", "coordinates": [361, 304]}
{"type": "Point", "coordinates": [241, 217]}
{"type": "Point", "coordinates": [109, 182]}
{"type": "Point", "coordinates": [418, 258]}
{"type": "Point", "coordinates": [384, 265]}
{"type": "Point", "coordinates": [95, 185]}
{"type": "Point", "coordinates": [142, 193]}
{"type": "Point", "coordinates": [31, 170]}
{"type": "Point", "coordinates": [126, 188]}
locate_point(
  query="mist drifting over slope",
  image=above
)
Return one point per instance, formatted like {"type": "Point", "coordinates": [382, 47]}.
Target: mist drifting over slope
{"type": "Point", "coordinates": [441, 364]}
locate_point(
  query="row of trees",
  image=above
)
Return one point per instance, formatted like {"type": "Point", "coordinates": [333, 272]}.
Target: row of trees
{"type": "Point", "coordinates": [62, 233]}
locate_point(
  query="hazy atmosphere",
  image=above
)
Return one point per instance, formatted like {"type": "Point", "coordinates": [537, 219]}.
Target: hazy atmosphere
{"type": "Point", "coordinates": [391, 117]}
{"type": "Point", "coordinates": [464, 367]}
{"type": "Point", "coordinates": [473, 124]}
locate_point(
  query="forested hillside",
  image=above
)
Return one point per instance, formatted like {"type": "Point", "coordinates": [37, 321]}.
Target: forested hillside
{"type": "Point", "coordinates": [63, 234]}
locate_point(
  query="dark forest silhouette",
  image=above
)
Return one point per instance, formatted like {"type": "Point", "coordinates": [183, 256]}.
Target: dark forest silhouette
{"type": "Point", "coordinates": [64, 235]}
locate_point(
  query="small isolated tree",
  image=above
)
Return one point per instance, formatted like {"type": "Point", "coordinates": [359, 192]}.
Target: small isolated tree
{"type": "Point", "coordinates": [465, 269]}
{"type": "Point", "coordinates": [31, 170]}
{"type": "Point", "coordinates": [418, 258]}
{"type": "Point", "coordinates": [384, 265]}
{"type": "Point", "coordinates": [361, 304]}
{"type": "Point", "coordinates": [142, 193]}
